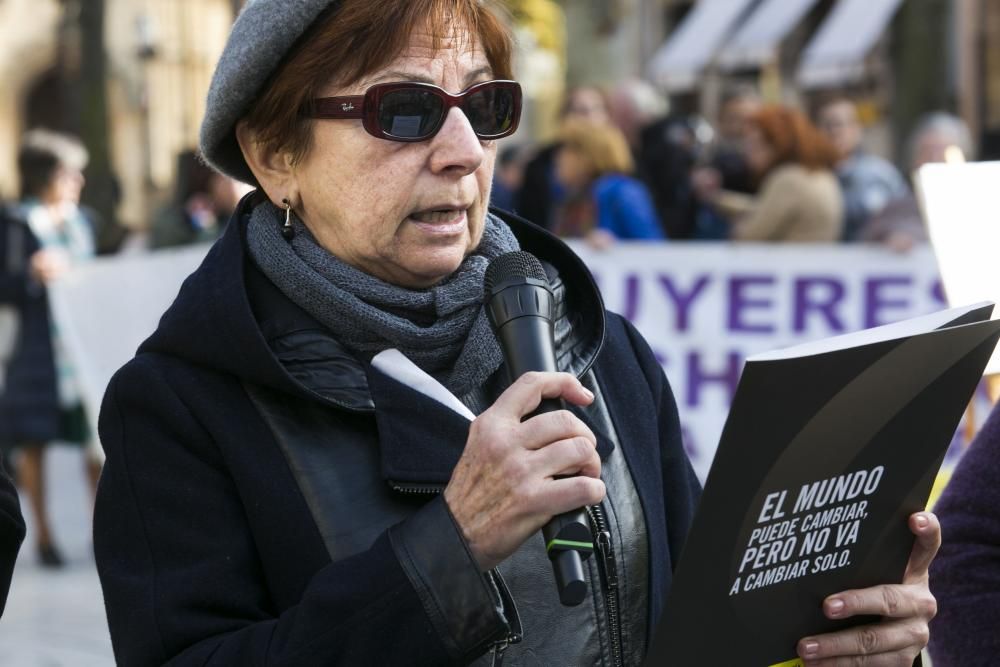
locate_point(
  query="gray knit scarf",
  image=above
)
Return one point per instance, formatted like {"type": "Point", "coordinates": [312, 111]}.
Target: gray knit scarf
{"type": "Point", "coordinates": [443, 329]}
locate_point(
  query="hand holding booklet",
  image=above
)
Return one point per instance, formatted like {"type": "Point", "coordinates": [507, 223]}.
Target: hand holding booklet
{"type": "Point", "coordinates": [827, 450]}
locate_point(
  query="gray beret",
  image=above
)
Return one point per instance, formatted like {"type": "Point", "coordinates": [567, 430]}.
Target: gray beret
{"type": "Point", "coordinates": [264, 32]}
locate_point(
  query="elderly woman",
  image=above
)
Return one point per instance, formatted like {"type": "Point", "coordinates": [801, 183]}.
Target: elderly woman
{"type": "Point", "coordinates": [272, 497]}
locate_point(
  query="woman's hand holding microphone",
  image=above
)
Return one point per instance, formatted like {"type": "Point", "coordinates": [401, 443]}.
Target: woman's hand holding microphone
{"type": "Point", "coordinates": [510, 480]}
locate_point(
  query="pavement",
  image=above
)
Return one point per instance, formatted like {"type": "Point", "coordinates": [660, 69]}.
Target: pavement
{"type": "Point", "coordinates": [55, 618]}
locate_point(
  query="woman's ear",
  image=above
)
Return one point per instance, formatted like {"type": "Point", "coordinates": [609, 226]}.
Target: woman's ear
{"type": "Point", "coordinates": [273, 169]}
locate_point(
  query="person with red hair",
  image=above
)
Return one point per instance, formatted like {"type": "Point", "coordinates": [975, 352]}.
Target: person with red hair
{"type": "Point", "coordinates": [799, 199]}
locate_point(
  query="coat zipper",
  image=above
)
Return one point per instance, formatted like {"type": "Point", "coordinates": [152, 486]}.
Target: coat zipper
{"type": "Point", "coordinates": [608, 569]}
{"type": "Point", "coordinates": [417, 489]}
{"type": "Point", "coordinates": [514, 635]}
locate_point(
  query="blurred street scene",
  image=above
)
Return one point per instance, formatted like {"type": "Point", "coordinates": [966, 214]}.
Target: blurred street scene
{"type": "Point", "coordinates": [688, 148]}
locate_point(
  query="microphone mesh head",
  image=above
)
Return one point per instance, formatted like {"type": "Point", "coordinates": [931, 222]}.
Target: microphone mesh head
{"type": "Point", "coordinates": [511, 266]}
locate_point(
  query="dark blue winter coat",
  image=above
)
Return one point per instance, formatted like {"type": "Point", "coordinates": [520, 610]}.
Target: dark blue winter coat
{"type": "Point", "coordinates": [261, 502]}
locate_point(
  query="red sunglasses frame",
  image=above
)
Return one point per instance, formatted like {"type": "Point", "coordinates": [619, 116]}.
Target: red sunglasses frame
{"type": "Point", "coordinates": [366, 107]}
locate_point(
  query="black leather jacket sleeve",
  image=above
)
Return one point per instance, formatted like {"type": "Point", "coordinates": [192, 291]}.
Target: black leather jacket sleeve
{"type": "Point", "coordinates": [461, 605]}
{"type": "Point", "coordinates": [184, 583]}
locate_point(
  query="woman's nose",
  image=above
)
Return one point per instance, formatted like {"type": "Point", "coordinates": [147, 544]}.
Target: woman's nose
{"type": "Point", "coordinates": [456, 147]}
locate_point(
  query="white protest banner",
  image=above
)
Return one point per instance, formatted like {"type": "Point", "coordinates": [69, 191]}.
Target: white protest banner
{"type": "Point", "coordinates": [703, 308]}
{"type": "Point", "coordinates": [105, 308]}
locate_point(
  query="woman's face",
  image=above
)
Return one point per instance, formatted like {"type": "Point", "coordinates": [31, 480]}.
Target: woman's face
{"type": "Point", "coordinates": [571, 168]}
{"type": "Point", "coordinates": [759, 153]}
{"type": "Point", "coordinates": [65, 187]}
{"type": "Point", "coordinates": [588, 104]}
{"type": "Point", "coordinates": [407, 213]}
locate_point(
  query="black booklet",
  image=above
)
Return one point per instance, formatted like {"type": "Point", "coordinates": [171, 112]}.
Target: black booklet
{"type": "Point", "coordinates": [827, 450]}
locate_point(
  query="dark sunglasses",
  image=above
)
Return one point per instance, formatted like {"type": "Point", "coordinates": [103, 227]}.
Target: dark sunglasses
{"type": "Point", "coordinates": [412, 111]}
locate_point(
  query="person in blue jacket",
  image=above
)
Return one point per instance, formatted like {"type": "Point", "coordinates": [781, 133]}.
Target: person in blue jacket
{"type": "Point", "coordinates": [605, 202]}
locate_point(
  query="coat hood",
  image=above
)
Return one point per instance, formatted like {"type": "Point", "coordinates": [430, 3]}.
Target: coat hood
{"type": "Point", "coordinates": [228, 317]}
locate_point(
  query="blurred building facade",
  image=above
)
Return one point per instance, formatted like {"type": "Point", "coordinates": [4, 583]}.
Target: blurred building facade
{"type": "Point", "coordinates": [161, 56]}
{"type": "Point", "coordinates": [158, 57]}
{"type": "Point", "coordinates": [28, 37]}
{"type": "Point", "coordinates": [984, 103]}
{"type": "Point", "coordinates": [900, 58]}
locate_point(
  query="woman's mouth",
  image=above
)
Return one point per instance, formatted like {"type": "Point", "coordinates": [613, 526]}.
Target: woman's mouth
{"type": "Point", "coordinates": [441, 221]}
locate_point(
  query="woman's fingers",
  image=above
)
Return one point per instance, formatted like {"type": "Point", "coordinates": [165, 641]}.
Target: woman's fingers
{"type": "Point", "coordinates": [542, 430]}
{"type": "Point", "coordinates": [880, 660]}
{"type": "Point", "coordinates": [887, 600]}
{"type": "Point", "coordinates": [890, 643]}
{"type": "Point", "coordinates": [926, 527]}
{"type": "Point", "coordinates": [906, 609]}
{"type": "Point", "coordinates": [570, 493]}
{"type": "Point", "coordinates": [573, 456]}
{"type": "Point", "coordinates": [524, 396]}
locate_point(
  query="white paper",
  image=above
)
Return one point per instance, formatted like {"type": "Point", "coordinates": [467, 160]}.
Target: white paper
{"type": "Point", "coordinates": [399, 367]}
{"type": "Point", "coordinates": [962, 206]}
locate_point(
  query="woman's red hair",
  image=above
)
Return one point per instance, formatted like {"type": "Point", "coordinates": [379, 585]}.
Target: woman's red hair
{"type": "Point", "coordinates": [793, 138]}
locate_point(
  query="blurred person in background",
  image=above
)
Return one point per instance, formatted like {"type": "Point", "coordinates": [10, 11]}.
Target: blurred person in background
{"type": "Point", "coordinates": [604, 202]}
{"type": "Point", "coordinates": [799, 198]}
{"type": "Point", "coordinates": [727, 156]}
{"type": "Point", "coordinates": [540, 194]}
{"type": "Point", "coordinates": [965, 577]}
{"type": "Point", "coordinates": [726, 165]}
{"type": "Point", "coordinates": [508, 177]}
{"type": "Point", "coordinates": [669, 151]}
{"type": "Point", "coordinates": [939, 137]}
{"type": "Point", "coordinates": [634, 105]}
{"type": "Point", "coordinates": [868, 182]}
{"type": "Point", "coordinates": [204, 201]}
{"type": "Point", "coordinates": [43, 236]}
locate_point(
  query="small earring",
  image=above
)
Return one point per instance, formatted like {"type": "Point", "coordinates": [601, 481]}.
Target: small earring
{"type": "Point", "coordinates": [287, 230]}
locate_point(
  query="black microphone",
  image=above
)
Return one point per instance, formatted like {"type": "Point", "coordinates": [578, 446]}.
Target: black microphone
{"type": "Point", "coordinates": [520, 306]}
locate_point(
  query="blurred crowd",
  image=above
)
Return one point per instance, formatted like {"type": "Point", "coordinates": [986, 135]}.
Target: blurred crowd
{"type": "Point", "coordinates": [620, 168]}
{"type": "Point", "coordinates": [623, 168]}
